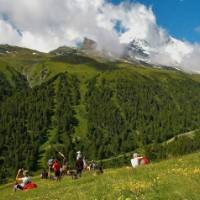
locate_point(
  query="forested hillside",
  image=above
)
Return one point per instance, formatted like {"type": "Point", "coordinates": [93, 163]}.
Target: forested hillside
{"type": "Point", "coordinates": [51, 103]}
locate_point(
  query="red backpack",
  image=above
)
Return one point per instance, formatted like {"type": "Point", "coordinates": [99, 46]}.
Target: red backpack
{"type": "Point", "coordinates": [144, 161]}
{"type": "Point", "coordinates": [29, 186]}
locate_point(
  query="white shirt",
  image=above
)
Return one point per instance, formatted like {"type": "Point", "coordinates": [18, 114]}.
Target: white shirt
{"type": "Point", "coordinates": [134, 162]}
{"type": "Point", "coordinates": [78, 156]}
{"type": "Point", "coordinates": [25, 180]}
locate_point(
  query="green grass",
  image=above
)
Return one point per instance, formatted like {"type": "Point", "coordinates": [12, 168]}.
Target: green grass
{"type": "Point", "coordinates": [172, 179]}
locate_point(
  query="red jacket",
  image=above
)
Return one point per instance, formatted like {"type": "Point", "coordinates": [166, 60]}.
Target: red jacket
{"type": "Point", "coordinates": [56, 166]}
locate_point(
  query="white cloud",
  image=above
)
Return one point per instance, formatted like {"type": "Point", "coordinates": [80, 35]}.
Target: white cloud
{"type": "Point", "coordinates": [8, 34]}
{"type": "Point", "coordinates": [46, 24]}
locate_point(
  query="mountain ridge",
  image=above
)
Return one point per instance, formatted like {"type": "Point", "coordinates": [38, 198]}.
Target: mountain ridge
{"type": "Point", "coordinates": [136, 53]}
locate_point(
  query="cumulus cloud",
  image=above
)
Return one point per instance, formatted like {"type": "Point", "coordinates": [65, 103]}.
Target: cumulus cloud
{"type": "Point", "coordinates": [47, 24]}
{"type": "Point", "coordinates": [7, 33]}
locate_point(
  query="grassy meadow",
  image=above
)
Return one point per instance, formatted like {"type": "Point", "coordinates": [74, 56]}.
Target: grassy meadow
{"type": "Point", "coordinates": [172, 179]}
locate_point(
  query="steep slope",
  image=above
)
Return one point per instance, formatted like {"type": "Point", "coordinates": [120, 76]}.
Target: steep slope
{"type": "Point", "coordinates": [172, 179]}
{"type": "Point", "coordinates": [69, 102]}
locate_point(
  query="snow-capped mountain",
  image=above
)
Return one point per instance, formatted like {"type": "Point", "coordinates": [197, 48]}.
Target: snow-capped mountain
{"type": "Point", "coordinates": [137, 50]}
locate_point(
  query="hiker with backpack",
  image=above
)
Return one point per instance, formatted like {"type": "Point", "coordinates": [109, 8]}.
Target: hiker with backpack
{"type": "Point", "coordinates": [64, 167]}
{"type": "Point", "coordinates": [56, 168]}
{"type": "Point", "coordinates": [79, 166]}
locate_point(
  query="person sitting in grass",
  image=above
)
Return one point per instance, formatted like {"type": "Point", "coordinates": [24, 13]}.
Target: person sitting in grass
{"type": "Point", "coordinates": [22, 180]}
{"type": "Point", "coordinates": [135, 161]}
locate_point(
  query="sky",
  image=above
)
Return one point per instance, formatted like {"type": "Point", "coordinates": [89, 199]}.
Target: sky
{"type": "Point", "coordinates": [181, 18]}
{"type": "Point", "coordinates": [170, 27]}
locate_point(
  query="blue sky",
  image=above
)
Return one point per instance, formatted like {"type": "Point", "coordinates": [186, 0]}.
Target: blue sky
{"type": "Point", "coordinates": [179, 17]}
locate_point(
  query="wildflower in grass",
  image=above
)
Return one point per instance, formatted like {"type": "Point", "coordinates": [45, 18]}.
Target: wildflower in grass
{"type": "Point", "coordinates": [135, 187]}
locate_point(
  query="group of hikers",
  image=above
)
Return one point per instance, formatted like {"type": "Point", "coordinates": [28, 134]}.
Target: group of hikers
{"type": "Point", "coordinates": [60, 170]}
{"type": "Point", "coordinates": [23, 180]}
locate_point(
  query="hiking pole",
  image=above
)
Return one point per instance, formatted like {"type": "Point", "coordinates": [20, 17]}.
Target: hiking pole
{"type": "Point", "coordinates": [61, 154]}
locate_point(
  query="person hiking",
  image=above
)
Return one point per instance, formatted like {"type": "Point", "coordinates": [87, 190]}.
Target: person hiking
{"type": "Point", "coordinates": [79, 166]}
{"type": "Point", "coordinates": [64, 168]}
{"type": "Point", "coordinates": [100, 169]}
{"type": "Point", "coordinates": [85, 163]}
{"type": "Point", "coordinates": [56, 168]}
{"type": "Point", "coordinates": [44, 174]}
{"type": "Point", "coordinates": [93, 165]}
{"type": "Point", "coordinates": [22, 179]}
{"type": "Point", "coordinates": [50, 164]}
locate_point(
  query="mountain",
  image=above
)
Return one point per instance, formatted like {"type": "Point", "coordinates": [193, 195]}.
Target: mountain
{"type": "Point", "coordinates": [67, 101]}
{"type": "Point", "coordinates": [88, 44]}
{"type": "Point", "coordinates": [64, 50]}
{"type": "Point", "coordinates": [137, 50]}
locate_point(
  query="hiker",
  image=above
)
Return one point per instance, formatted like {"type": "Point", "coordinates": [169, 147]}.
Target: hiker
{"type": "Point", "coordinates": [22, 179]}
{"type": "Point", "coordinates": [85, 163]}
{"type": "Point", "coordinates": [56, 168]}
{"type": "Point", "coordinates": [50, 164]}
{"type": "Point", "coordinates": [100, 169]}
{"type": "Point", "coordinates": [93, 165]}
{"type": "Point", "coordinates": [135, 161]}
{"type": "Point", "coordinates": [64, 168]}
{"type": "Point", "coordinates": [44, 174]}
{"type": "Point", "coordinates": [63, 156]}
{"type": "Point", "coordinates": [79, 166]}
